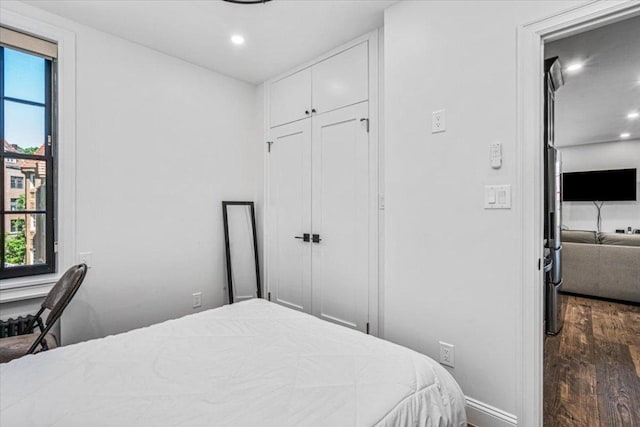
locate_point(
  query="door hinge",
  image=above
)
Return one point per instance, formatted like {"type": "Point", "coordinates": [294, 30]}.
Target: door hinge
{"type": "Point", "coordinates": [269, 146]}
{"type": "Point", "coordinates": [365, 120]}
{"type": "Point", "coordinates": [367, 328]}
{"type": "Point", "coordinates": [269, 296]}
{"type": "Point", "coordinates": [49, 140]}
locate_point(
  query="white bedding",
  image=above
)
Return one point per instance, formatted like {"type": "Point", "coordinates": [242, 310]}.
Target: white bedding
{"type": "Point", "coordinates": [252, 363]}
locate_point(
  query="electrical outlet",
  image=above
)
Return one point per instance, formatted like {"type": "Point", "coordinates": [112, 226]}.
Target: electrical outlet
{"type": "Point", "coordinates": [438, 121]}
{"type": "Point", "coordinates": [85, 258]}
{"type": "Point", "coordinates": [447, 354]}
{"type": "Point", "coordinates": [197, 300]}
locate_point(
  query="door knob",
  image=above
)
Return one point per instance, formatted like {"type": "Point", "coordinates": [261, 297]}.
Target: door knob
{"type": "Point", "coordinates": [313, 110]}
{"type": "Point", "coordinates": [316, 238]}
{"type": "Point", "coordinates": [304, 237]}
{"type": "Point", "coordinates": [306, 112]}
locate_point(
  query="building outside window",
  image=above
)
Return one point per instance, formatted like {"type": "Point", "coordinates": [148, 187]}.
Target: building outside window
{"type": "Point", "coordinates": [28, 154]}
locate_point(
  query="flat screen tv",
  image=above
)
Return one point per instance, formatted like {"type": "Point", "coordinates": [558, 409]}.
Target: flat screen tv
{"type": "Point", "coordinates": [600, 186]}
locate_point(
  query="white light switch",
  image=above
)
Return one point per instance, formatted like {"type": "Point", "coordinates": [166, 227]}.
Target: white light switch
{"type": "Point", "coordinates": [502, 197]}
{"type": "Point", "coordinates": [497, 196]}
{"type": "Point", "coordinates": [491, 196]}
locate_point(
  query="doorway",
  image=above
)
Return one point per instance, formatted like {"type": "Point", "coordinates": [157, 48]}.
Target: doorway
{"type": "Point", "coordinates": [592, 227]}
{"type": "Point", "coordinates": [531, 40]}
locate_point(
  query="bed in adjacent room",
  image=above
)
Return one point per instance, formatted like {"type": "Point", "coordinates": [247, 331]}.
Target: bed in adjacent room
{"type": "Point", "coordinates": [252, 363]}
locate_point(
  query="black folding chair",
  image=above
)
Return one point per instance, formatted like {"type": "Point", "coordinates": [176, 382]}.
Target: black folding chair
{"type": "Point", "coordinates": [56, 301]}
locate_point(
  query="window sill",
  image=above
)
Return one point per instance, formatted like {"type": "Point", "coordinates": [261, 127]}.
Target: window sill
{"type": "Point", "coordinates": [27, 288]}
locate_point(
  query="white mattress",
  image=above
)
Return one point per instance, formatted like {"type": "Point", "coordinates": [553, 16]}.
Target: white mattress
{"type": "Point", "coordinates": [252, 363]}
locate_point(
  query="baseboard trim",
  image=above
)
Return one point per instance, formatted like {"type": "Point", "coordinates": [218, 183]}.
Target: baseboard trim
{"type": "Point", "coordinates": [482, 415]}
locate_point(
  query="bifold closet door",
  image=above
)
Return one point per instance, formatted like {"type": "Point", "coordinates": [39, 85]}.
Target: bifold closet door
{"type": "Point", "coordinates": [289, 271]}
{"type": "Point", "coordinates": [340, 216]}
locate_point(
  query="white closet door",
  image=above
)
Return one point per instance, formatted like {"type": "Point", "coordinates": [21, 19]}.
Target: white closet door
{"type": "Point", "coordinates": [342, 79]}
{"type": "Point", "coordinates": [340, 206]}
{"type": "Point", "coordinates": [290, 215]}
{"type": "Point", "coordinates": [291, 98]}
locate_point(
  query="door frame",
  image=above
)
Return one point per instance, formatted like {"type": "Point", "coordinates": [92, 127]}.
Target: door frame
{"type": "Point", "coordinates": [530, 59]}
{"type": "Point", "coordinates": [375, 156]}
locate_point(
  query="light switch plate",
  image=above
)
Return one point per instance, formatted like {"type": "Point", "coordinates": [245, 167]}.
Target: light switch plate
{"type": "Point", "coordinates": [497, 196]}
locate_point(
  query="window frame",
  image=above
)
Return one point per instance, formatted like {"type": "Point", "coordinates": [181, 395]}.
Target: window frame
{"type": "Point", "coordinates": [49, 158]}
{"type": "Point", "coordinates": [25, 288]}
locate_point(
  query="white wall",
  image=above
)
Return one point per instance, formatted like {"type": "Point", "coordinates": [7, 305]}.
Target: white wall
{"type": "Point", "coordinates": [452, 268]}
{"type": "Point", "coordinates": [607, 155]}
{"type": "Point", "coordinates": [160, 143]}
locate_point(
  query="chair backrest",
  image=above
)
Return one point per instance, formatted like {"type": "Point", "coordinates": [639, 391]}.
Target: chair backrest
{"type": "Point", "coordinates": [63, 291]}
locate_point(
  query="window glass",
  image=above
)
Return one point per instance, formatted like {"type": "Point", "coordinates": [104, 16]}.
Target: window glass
{"type": "Point", "coordinates": [27, 208]}
{"type": "Point", "coordinates": [27, 189]}
{"type": "Point", "coordinates": [24, 127]}
{"type": "Point", "coordinates": [25, 240]}
{"type": "Point", "coordinates": [24, 76]}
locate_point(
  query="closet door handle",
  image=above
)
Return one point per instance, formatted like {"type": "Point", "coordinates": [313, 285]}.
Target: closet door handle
{"type": "Point", "coordinates": [306, 112]}
{"type": "Point", "coordinates": [316, 238]}
{"type": "Point", "coordinates": [304, 237]}
{"type": "Point", "coordinates": [313, 110]}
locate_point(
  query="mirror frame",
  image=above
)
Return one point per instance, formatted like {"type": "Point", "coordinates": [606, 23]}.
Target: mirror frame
{"type": "Point", "coordinates": [225, 219]}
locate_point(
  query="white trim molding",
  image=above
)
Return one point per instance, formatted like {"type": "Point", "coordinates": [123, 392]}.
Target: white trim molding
{"type": "Point", "coordinates": [530, 56]}
{"type": "Point", "coordinates": [483, 415]}
{"type": "Point", "coordinates": [37, 286]}
{"type": "Point", "coordinates": [34, 290]}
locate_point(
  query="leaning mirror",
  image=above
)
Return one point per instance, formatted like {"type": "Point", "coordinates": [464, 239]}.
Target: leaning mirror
{"type": "Point", "coordinates": [243, 271]}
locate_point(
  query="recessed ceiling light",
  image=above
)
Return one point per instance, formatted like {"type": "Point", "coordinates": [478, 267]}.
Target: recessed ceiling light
{"type": "Point", "coordinates": [237, 39]}
{"type": "Point", "coordinates": [575, 67]}
{"type": "Point", "coordinates": [633, 115]}
{"type": "Point", "coordinates": [625, 135]}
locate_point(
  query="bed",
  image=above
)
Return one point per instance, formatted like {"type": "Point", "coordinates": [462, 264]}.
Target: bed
{"type": "Point", "coordinates": [252, 363]}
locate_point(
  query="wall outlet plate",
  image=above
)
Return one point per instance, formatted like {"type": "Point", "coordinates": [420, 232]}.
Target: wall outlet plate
{"type": "Point", "coordinates": [85, 258]}
{"type": "Point", "coordinates": [197, 300]}
{"type": "Point", "coordinates": [438, 121]}
{"type": "Point", "coordinates": [447, 354]}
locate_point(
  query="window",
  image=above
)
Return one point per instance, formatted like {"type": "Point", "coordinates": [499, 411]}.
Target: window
{"type": "Point", "coordinates": [16, 181]}
{"type": "Point", "coordinates": [27, 155]}
{"type": "Point", "coordinates": [17, 225]}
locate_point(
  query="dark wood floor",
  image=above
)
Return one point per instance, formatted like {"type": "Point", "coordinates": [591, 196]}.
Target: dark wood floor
{"type": "Point", "coordinates": [592, 367]}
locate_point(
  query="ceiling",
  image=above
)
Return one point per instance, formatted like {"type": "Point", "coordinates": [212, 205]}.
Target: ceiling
{"type": "Point", "coordinates": [279, 35]}
{"type": "Point", "coordinates": [593, 104]}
